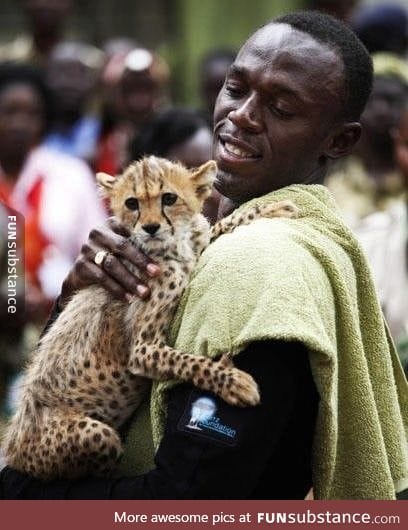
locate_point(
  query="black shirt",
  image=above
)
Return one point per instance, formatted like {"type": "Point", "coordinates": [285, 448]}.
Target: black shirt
{"type": "Point", "coordinates": [212, 450]}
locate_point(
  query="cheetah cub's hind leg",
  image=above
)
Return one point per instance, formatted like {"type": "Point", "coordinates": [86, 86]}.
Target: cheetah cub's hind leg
{"type": "Point", "coordinates": [272, 209]}
{"type": "Point", "coordinates": [73, 445]}
{"type": "Point", "coordinates": [220, 377]}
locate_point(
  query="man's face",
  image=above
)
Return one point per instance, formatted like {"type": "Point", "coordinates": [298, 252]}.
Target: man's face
{"type": "Point", "coordinates": [71, 82]}
{"type": "Point", "coordinates": [400, 137]}
{"type": "Point", "coordinates": [21, 119]}
{"type": "Point", "coordinates": [140, 95]}
{"type": "Point", "coordinates": [275, 112]}
{"type": "Point", "coordinates": [383, 108]}
{"type": "Point", "coordinates": [212, 81]}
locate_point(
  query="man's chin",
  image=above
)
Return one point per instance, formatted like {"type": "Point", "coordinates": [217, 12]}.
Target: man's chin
{"type": "Point", "coordinates": [230, 186]}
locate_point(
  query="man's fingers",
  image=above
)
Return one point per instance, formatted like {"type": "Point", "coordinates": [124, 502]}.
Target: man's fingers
{"type": "Point", "coordinates": [122, 247]}
{"type": "Point", "coordinates": [93, 272]}
{"type": "Point", "coordinates": [131, 283]}
{"type": "Point", "coordinates": [127, 250]}
{"type": "Point", "coordinates": [111, 268]}
{"type": "Point", "coordinates": [117, 227]}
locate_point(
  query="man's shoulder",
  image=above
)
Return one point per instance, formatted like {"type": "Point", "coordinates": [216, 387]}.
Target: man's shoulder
{"type": "Point", "coordinates": [263, 239]}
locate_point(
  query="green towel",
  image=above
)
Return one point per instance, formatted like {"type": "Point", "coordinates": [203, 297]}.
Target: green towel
{"type": "Point", "coordinates": [307, 280]}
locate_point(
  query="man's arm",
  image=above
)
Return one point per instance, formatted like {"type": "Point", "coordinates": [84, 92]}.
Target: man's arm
{"type": "Point", "coordinates": [222, 456]}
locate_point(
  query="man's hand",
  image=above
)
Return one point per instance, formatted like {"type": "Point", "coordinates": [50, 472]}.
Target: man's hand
{"type": "Point", "coordinates": [111, 273]}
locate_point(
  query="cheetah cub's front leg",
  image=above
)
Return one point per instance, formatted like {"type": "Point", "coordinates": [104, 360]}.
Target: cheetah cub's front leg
{"type": "Point", "coordinates": [272, 209]}
{"type": "Point", "coordinates": [220, 377]}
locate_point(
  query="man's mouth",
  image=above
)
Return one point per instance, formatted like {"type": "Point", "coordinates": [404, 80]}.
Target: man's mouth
{"type": "Point", "coordinates": [236, 150]}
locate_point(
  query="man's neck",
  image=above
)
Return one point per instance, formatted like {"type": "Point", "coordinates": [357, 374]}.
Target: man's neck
{"type": "Point", "coordinates": [45, 43]}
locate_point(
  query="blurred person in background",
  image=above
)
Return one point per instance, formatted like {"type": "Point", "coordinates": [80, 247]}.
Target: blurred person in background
{"type": "Point", "coordinates": [393, 266]}
{"type": "Point", "coordinates": [181, 135]}
{"type": "Point", "coordinates": [382, 28]}
{"type": "Point", "coordinates": [369, 181]}
{"type": "Point", "coordinates": [46, 20]}
{"type": "Point", "coordinates": [57, 197]}
{"type": "Point", "coordinates": [341, 9]}
{"type": "Point", "coordinates": [141, 92]}
{"type": "Point", "coordinates": [72, 74]}
{"type": "Point", "coordinates": [55, 192]}
{"type": "Point", "coordinates": [371, 193]}
{"type": "Point", "coordinates": [111, 105]}
{"type": "Point", "coordinates": [213, 70]}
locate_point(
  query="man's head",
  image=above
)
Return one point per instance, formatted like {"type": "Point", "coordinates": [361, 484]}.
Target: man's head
{"type": "Point", "coordinates": [400, 139]}
{"type": "Point", "coordinates": [72, 74]}
{"type": "Point", "coordinates": [341, 9]}
{"type": "Point", "coordinates": [25, 110]}
{"type": "Point", "coordinates": [289, 105]}
{"type": "Point", "coordinates": [214, 67]}
{"type": "Point", "coordinates": [382, 28]}
{"type": "Point", "coordinates": [47, 16]}
{"type": "Point", "coordinates": [179, 134]}
{"type": "Point", "coordinates": [142, 85]}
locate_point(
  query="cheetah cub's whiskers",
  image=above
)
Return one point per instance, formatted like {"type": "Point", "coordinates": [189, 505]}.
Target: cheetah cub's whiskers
{"type": "Point", "coordinates": [91, 370]}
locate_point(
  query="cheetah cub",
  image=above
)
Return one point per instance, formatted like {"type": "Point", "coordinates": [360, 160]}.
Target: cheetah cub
{"type": "Point", "coordinates": [89, 372]}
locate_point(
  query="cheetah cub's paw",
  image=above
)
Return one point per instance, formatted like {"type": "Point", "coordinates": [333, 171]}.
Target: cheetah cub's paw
{"type": "Point", "coordinates": [279, 209]}
{"type": "Point", "coordinates": [239, 388]}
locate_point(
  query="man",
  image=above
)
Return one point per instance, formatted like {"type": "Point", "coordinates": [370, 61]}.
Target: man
{"type": "Point", "coordinates": [343, 9]}
{"type": "Point", "coordinates": [382, 28]}
{"type": "Point", "coordinates": [46, 21]}
{"type": "Point", "coordinates": [284, 296]}
{"type": "Point", "coordinates": [213, 69]}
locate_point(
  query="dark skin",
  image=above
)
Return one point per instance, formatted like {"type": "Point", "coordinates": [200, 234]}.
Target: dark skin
{"type": "Point", "coordinates": [21, 125]}
{"type": "Point", "coordinates": [379, 118]}
{"type": "Point", "coordinates": [280, 110]}
{"type": "Point", "coordinates": [47, 19]}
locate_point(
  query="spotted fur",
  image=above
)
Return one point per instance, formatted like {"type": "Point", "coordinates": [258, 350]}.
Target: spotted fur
{"type": "Point", "coordinates": [92, 369]}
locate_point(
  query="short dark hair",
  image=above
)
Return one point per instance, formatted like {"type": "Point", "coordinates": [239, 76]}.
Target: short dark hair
{"type": "Point", "coordinates": [168, 129]}
{"type": "Point", "coordinates": [358, 66]}
{"type": "Point", "coordinates": [12, 73]}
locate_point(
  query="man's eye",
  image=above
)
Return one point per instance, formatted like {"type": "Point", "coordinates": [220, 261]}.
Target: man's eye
{"type": "Point", "coordinates": [233, 90]}
{"type": "Point", "coordinates": [280, 112]}
{"type": "Point", "coordinates": [168, 199]}
{"type": "Point", "coordinates": [132, 203]}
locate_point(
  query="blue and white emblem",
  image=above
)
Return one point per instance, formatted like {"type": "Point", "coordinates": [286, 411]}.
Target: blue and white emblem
{"type": "Point", "coordinates": [202, 410]}
{"type": "Point", "coordinates": [209, 417]}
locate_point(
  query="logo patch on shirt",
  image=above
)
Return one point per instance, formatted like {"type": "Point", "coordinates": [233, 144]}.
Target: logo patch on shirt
{"type": "Point", "coordinates": [207, 417]}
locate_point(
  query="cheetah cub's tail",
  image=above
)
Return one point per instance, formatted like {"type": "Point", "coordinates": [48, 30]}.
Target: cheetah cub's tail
{"type": "Point", "coordinates": [284, 208]}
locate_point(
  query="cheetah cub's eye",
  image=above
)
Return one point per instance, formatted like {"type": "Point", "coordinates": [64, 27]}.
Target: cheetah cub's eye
{"type": "Point", "coordinates": [168, 199]}
{"type": "Point", "coordinates": [132, 203]}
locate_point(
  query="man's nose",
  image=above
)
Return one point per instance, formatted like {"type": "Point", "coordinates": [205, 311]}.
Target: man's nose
{"type": "Point", "coordinates": [151, 228]}
{"type": "Point", "coordinates": [248, 115]}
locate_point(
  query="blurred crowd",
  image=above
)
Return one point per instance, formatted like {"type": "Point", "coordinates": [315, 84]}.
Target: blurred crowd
{"type": "Point", "coordinates": [69, 109]}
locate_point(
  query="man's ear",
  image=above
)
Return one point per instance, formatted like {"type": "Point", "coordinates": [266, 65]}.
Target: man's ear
{"type": "Point", "coordinates": [105, 182]}
{"type": "Point", "coordinates": [343, 139]}
{"type": "Point", "coordinates": [203, 179]}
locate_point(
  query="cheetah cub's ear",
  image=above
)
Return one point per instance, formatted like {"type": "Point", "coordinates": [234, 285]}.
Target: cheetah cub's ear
{"type": "Point", "coordinates": [105, 182]}
{"type": "Point", "coordinates": [203, 179]}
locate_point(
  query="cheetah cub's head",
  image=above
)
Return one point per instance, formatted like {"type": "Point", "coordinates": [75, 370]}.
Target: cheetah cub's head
{"type": "Point", "coordinates": [156, 199]}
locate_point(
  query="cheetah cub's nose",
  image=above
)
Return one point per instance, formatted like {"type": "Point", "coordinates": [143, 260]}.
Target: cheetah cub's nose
{"type": "Point", "coordinates": [151, 228]}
